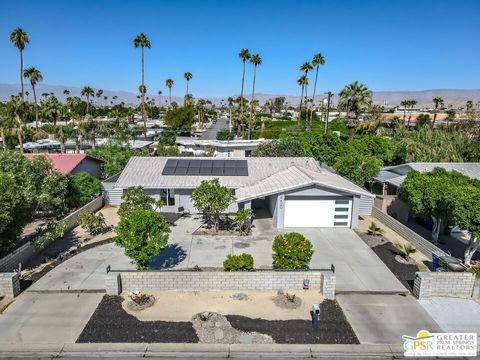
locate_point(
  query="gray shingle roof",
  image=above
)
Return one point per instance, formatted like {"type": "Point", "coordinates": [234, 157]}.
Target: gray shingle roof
{"type": "Point", "coordinates": [265, 176]}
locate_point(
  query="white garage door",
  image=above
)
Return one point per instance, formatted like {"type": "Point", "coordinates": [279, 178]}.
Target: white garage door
{"type": "Point", "coordinates": [317, 213]}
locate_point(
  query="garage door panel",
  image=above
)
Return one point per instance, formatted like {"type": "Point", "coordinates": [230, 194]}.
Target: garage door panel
{"type": "Point", "coordinates": [317, 213]}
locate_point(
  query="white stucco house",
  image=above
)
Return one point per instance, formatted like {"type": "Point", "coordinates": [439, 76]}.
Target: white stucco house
{"type": "Point", "coordinates": [295, 192]}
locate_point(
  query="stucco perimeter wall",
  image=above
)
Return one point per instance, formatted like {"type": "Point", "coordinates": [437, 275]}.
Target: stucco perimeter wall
{"type": "Point", "coordinates": [450, 284]}
{"type": "Point", "coordinates": [126, 281]}
{"type": "Point", "coordinates": [25, 252]}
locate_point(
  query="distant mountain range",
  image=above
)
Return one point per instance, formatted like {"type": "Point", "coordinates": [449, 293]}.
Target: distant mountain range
{"type": "Point", "coordinates": [455, 97]}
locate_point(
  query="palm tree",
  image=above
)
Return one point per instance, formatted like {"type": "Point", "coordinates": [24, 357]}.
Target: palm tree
{"type": "Point", "coordinates": [404, 104]}
{"type": "Point", "coordinates": [187, 77]}
{"type": "Point", "coordinates": [255, 60]}
{"type": "Point", "coordinates": [301, 81]}
{"type": "Point", "coordinates": [317, 61]}
{"type": "Point", "coordinates": [52, 109]}
{"type": "Point", "coordinates": [438, 101]}
{"type": "Point", "coordinates": [19, 38]}
{"type": "Point", "coordinates": [160, 97]}
{"type": "Point", "coordinates": [412, 103]}
{"type": "Point", "coordinates": [244, 55]}
{"type": "Point", "coordinates": [66, 92]}
{"type": "Point", "coordinates": [169, 83]}
{"type": "Point", "coordinates": [99, 95]}
{"type": "Point", "coordinates": [35, 76]}
{"type": "Point", "coordinates": [87, 91]}
{"type": "Point", "coordinates": [306, 67]}
{"type": "Point", "coordinates": [142, 41]}
{"type": "Point", "coordinates": [26, 92]}
{"type": "Point", "coordinates": [354, 98]}
{"type": "Point", "coordinates": [16, 110]}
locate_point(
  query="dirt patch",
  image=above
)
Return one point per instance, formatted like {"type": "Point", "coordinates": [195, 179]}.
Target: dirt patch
{"type": "Point", "coordinates": [111, 324]}
{"type": "Point", "coordinates": [287, 301]}
{"type": "Point", "coordinates": [333, 327]}
{"type": "Point", "coordinates": [184, 305]}
{"type": "Point", "coordinates": [213, 328]}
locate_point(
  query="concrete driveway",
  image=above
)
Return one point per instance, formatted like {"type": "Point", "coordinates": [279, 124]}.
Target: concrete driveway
{"type": "Point", "coordinates": [85, 271]}
{"type": "Point", "coordinates": [47, 318]}
{"type": "Point", "coordinates": [383, 319]}
{"type": "Point", "coordinates": [357, 267]}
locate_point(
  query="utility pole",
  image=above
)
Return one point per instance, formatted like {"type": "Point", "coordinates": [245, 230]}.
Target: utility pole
{"type": "Point", "coordinates": [329, 97]}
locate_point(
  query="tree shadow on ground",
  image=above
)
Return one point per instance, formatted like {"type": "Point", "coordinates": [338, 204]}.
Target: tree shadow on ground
{"type": "Point", "coordinates": [170, 256]}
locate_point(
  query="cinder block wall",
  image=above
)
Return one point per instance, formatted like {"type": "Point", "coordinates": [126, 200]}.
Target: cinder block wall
{"type": "Point", "coordinates": [322, 281]}
{"type": "Point", "coordinates": [25, 252]}
{"type": "Point", "coordinates": [450, 284]}
{"type": "Point", "coordinates": [9, 284]}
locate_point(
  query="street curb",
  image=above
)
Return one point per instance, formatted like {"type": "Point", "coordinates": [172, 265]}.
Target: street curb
{"type": "Point", "coordinates": [184, 350]}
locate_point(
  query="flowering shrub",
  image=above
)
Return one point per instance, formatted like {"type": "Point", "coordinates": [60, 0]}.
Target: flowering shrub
{"type": "Point", "coordinates": [242, 262]}
{"type": "Point", "coordinates": [292, 251]}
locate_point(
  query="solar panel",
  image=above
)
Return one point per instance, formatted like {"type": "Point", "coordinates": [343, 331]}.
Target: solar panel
{"type": "Point", "coordinates": [206, 167]}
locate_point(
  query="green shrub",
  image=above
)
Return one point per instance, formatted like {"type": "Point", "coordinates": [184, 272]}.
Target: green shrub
{"type": "Point", "coordinates": [225, 135]}
{"type": "Point", "coordinates": [374, 229]}
{"type": "Point", "coordinates": [93, 224]}
{"type": "Point", "coordinates": [475, 270]}
{"type": "Point", "coordinates": [168, 137]}
{"type": "Point", "coordinates": [292, 251]}
{"type": "Point", "coordinates": [242, 262]}
{"type": "Point", "coordinates": [243, 220]}
{"type": "Point", "coordinates": [405, 249]}
{"type": "Point", "coordinates": [82, 189]}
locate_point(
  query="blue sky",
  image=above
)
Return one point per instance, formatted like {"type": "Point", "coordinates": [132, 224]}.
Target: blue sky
{"type": "Point", "coordinates": [388, 45]}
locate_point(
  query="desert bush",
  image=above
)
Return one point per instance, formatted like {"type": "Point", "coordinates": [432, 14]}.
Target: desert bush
{"type": "Point", "coordinates": [475, 270]}
{"type": "Point", "coordinates": [93, 224]}
{"type": "Point", "coordinates": [242, 262]}
{"type": "Point", "coordinates": [292, 251]}
{"type": "Point", "coordinates": [243, 220]}
{"type": "Point", "coordinates": [405, 249]}
{"type": "Point", "coordinates": [375, 230]}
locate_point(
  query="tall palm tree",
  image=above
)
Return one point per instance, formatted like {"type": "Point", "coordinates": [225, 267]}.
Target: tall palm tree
{"type": "Point", "coordinates": [404, 104]}
{"type": "Point", "coordinates": [438, 101]}
{"type": "Point", "coordinates": [142, 41]}
{"type": "Point", "coordinates": [306, 67]}
{"type": "Point", "coordinates": [244, 55]}
{"type": "Point", "coordinates": [255, 60]}
{"type": "Point", "coordinates": [354, 98]}
{"type": "Point", "coordinates": [187, 77]}
{"type": "Point", "coordinates": [87, 91]}
{"type": "Point", "coordinates": [16, 110]}
{"type": "Point", "coordinates": [412, 103]}
{"type": "Point", "coordinates": [27, 93]}
{"type": "Point", "coordinates": [99, 95]}
{"type": "Point", "coordinates": [19, 38]}
{"type": "Point", "coordinates": [35, 76]}
{"type": "Point", "coordinates": [301, 81]}
{"type": "Point", "coordinates": [160, 97]}
{"type": "Point", "coordinates": [52, 109]}
{"type": "Point", "coordinates": [169, 83]}
{"type": "Point", "coordinates": [317, 61]}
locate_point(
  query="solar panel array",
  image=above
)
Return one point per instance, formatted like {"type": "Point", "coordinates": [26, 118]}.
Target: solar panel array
{"type": "Point", "coordinates": [206, 167]}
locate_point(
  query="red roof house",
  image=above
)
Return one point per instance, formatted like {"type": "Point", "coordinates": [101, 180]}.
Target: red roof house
{"type": "Point", "coordinates": [73, 163]}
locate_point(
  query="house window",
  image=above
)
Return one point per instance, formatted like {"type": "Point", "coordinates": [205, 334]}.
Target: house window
{"type": "Point", "coordinates": [167, 196]}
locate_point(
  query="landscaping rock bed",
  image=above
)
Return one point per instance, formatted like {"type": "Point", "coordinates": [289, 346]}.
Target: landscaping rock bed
{"type": "Point", "coordinates": [333, 327]}
{"type": "Point", "coordinates": [386, 251]}
{"type": "Point", "coordinates": [213, 328]}
{"type": "Point", "coordinates": [111, 324]}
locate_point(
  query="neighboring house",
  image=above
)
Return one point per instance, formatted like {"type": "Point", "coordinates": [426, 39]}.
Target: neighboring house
{"type": "Point", "coordinates": [391, 177]}
{"type": "Point", "coordinates": [295, 192]}
{"type": "Point", "coordinates": [53, 146]}
{"type": "Point", "coordinates": [223, 148]}
{"type": "Point", "coordinates": [73, 163]}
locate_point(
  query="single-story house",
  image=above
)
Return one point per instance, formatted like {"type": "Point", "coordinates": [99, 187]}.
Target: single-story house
{"type": "Point", "coordinates": [223, 148]}
{"type": "Point", "coordinates": [391, 177]}
{"type": "Point", "coordinates": [296, 192]}
{"type": "Point", "coordinates": [73, 163]}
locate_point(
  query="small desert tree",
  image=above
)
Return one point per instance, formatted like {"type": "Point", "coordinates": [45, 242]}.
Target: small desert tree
{"type": "Point", "coordinates": [135, 199]}
{"type": "Point", "coordinates": [212, 199]}
{"type": "Point", "coordinates": [143, 234]}
{"type": "Point", "coordinates": [243, 220]}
